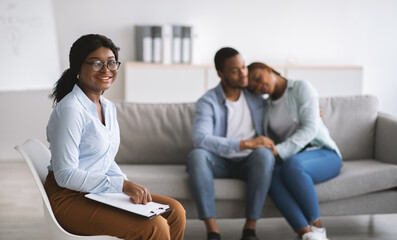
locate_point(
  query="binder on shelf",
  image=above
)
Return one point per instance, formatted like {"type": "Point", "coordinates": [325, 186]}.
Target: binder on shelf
{"type": "Point", "coordinates": [186, 44]}
{"type": "Point", "coordinates": [157, 44]}
{"type": "Point", "coordinates": [164, 43]}
{"type": "Point", "coordinates": [167, 43]}
{"type": "Point", "coordinates": [177, 44]}
{"type": "Point", "coordinates": [143, 43]}
{"type": "Point", "coordinates": [122, 201]}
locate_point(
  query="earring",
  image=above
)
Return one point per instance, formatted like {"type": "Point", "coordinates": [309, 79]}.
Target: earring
{"type": "Point", "coordinates": [78, 76]}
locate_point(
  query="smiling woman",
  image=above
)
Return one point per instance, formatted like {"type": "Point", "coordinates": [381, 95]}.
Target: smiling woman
{"type": "Point", "coordinates": [84, 138]}
{"type": "Point", "coordinates": [88, 50]}
{"type": "Point", "coordinates": [94, 76]}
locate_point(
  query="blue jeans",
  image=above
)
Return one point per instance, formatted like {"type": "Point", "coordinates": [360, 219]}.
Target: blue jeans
{"type": "Point", "coordinates": [255, 169]}
{"type": "Point", "coordinates": [292, 189]}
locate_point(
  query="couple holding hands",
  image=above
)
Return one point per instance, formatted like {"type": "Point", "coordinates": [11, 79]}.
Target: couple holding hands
{"type": "Point", "coordinates": [278, 145]}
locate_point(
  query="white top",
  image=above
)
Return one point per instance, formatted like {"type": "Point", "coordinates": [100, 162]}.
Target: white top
{"type": "Point", "coordinates": [240, 124]}
{"type": "Point", "coordinates": [280, 121]}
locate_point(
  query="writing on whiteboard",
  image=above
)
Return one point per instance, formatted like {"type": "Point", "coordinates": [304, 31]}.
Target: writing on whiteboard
{"type": "Point", "coordinates": [28, 45]}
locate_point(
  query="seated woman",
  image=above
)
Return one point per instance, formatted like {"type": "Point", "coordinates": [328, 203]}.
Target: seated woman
{"type": "Point", "coordinates": [306, 154]}
{"type": "Point", "coordinates": [84, 138]}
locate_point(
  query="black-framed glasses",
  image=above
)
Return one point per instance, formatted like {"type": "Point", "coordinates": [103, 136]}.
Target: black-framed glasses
{"type": "Point", "coordinates": [98, 65]}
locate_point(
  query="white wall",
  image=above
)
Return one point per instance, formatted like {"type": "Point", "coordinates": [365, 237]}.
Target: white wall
{"type": "Point", "coordinates": [351, 32]}
{"type": "Point", "coordinates": [23, 115]}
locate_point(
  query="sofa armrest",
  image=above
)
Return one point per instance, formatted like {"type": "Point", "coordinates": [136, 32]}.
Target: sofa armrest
{"type": "Point", "coordinates": [386, 138]}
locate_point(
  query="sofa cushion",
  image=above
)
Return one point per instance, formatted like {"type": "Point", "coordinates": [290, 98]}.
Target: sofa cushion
{"type": "Point", "coordinates": [356, 178]}
{"type": "Point", "coordinates": [154, 133]}
{"type": "Point", "coordinates": [351, 122]}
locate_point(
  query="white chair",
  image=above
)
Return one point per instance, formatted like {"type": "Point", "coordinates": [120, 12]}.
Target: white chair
{"type": "Point", "coordinates": [38, 156]}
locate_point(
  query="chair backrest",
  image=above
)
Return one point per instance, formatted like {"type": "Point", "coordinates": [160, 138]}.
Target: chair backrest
{"type": "Point", "coordinates": [37, 156]}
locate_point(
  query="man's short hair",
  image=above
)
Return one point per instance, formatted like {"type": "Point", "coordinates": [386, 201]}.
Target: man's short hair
{"type": "Point", "coordinates": [222, 55]}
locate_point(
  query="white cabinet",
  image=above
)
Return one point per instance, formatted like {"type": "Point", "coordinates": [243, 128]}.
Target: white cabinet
{"type": "Point", "coordinates": [330, 80]}
{"type": "Point", "coordinates": [159, 83]}
{"type": "Point", "coordinates": [171, 83]}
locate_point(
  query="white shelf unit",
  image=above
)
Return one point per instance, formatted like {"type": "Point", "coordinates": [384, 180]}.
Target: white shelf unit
{"type": "Point", "coordinates": [172, 83]}
{"type": "Point", "coordinates": [165, 83]}
{"type": "Point", "coordinates": [329, 81]}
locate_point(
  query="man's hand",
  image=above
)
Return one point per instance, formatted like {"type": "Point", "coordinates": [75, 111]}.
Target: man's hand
{"type": "Point", "coordinates": [257, 142]}
{"type": "Point", "coordinates": [137, 193]}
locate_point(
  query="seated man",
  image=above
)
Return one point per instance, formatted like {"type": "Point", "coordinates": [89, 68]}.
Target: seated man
{"type": "Point", "coordinates": [227, 135]}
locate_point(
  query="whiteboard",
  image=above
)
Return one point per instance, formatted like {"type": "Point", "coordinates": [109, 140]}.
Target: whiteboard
{"type": "Point", "coordinates": [29, 53]}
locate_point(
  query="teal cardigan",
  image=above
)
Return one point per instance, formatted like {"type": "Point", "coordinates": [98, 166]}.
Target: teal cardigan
{"type": "Point", "coordinates": [303, 106]}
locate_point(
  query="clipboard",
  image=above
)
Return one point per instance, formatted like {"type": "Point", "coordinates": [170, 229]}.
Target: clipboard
{"type": "Point", "coordinates": [122, 201]}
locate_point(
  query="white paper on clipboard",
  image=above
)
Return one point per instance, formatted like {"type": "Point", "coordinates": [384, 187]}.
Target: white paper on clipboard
{"type": "Point", "coordinates": [122, 201]}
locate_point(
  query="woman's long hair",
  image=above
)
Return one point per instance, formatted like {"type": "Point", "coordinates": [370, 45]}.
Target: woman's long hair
{"type": "Point", "coordinates": [80, 49]}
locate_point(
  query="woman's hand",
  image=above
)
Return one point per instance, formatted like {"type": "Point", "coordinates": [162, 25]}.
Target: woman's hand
{"type": "Point", "coordinates": [257, 142]}
{"type": "Point", "coordinates": [138, 194]}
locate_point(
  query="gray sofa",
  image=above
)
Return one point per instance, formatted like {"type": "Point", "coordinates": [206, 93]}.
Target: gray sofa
{"type": "Point", "coordinates": [156, 138]}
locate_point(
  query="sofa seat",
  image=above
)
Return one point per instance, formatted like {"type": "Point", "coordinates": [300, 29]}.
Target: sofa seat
{"type": "Point", "coordinates": [356, 178]}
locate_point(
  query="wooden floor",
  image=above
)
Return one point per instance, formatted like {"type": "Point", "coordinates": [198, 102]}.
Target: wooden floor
{"type": "Point", "coordinates": [21, 216]}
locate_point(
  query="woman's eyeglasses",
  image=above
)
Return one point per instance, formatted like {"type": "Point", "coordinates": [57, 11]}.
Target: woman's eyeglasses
{"type": "Point", "coordinates": [98, 65]}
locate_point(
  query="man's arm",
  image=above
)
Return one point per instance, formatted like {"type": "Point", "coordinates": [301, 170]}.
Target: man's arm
{"type": "Point", "coordinates": [203, 133]}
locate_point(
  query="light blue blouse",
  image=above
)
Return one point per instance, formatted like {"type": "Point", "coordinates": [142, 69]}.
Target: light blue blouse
{"type": "Point", "coordinates": [82, 148]}
{"type": "Point", "coordinates": [303, 106]}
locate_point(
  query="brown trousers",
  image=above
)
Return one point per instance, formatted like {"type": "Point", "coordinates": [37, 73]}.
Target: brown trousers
{"type": "Point", "coordinates": [82, 216]}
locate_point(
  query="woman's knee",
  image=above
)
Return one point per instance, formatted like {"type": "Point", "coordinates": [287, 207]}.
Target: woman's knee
{"type": "Point", "coordinates": [292, 165]}
{"type": "Point", "coordinates": [155, 229]}
{"type": "Point", "coordinates": [178, 212]}
{"type": "Point", "coordinates": [162, 226]}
